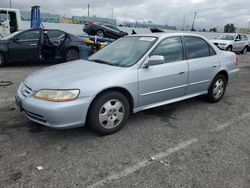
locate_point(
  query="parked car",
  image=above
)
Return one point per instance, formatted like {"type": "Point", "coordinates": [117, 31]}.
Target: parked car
{"type": "Point", "coordinates": [232, 42]}
{"type": "Point", "coordinates": [132, 74]}
{"type": "Point", "coordinates": [39, 45]}
{"type": "Point", "coordinates": [103, 30]}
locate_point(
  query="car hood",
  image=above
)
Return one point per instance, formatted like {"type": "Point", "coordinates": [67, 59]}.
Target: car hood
{"type": "Point", "coordinates": [221, 41]}
{"type": "Point", "coordinates": [61, 76]}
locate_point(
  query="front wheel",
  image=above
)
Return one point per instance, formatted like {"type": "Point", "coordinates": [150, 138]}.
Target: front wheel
{"type": "Point", "coordinates": [72, 54]}
{"type": "Point", "coordinates": [2, 61]}
{"type": "Point", "coordinates": [108, 113]}
{"type": "Point", "coordinates": [100, 33]}
{"type": "Point", "coordinates": [217, 89]}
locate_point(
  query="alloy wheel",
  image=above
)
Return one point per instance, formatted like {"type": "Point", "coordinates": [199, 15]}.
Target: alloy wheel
{"type": "Point", "coordinates": [218, 89]}
{"type": "Point", "coordinates": [100, 34]}
{"type": "Point", "coordinates": [72, 54]}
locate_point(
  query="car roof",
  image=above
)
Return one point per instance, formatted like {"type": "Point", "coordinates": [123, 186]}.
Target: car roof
{"type": "Point", "coordinates": [165, 35]}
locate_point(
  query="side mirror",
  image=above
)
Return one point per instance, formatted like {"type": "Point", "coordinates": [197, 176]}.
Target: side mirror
{"type": "Point", "coordinates": [237, 39]}
{"type": "Point", "coordinates": [154, 60]}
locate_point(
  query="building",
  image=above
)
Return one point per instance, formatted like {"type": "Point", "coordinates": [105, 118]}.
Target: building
{"type": "Point", "coordinates": [243, 30]}
{"type": "Point", "coordinates": [45, 17]}
{"type": "Point", "coordinates": [66, 20]}
{"type": "Point", "coordinates": [148, 25]}
{"type": "Point", "coordinates": [84, 19]}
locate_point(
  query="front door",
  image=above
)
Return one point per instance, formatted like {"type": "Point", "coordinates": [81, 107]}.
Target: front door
{"type": "Point", "coordinates": [25, 46]}
{"type": "Point", "coordinates": [167, 81]}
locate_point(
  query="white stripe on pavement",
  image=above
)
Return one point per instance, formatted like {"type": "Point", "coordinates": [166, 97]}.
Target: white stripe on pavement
{"type": "Point", "coordinates": [7, 100]}
{"type": "Point", "coordinates": [229, 123]}
{"type": "Point", "coordinates": [142, 164]}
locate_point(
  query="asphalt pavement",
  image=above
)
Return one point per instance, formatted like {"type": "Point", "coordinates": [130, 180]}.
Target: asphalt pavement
{"type": "Point", "coordinates": [191, 143]}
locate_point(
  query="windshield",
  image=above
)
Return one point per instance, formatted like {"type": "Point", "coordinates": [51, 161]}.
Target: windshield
{"type": "Point", "coordinates": [11, 35]}
{"type": "Point", "coordinates": [226, 37]}
{"type": "Point", "coordinates": [124, 52]}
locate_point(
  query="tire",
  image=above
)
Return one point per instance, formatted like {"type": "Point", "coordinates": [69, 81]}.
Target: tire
{"type": "Point", "coordinates": [108, 113]}
{"type": "Point", "coordinates": [100, 33]}
{"type": "Point", "coordinates": [2, 60]}
{"type": "Point", "coordinates": [217, 89]}
{"type": "Point", "coordinates": [72, 54]}
{"type": "Point", "coordinates": [229, 48]}
{"type": "Point", "coordinates": [244, 51]}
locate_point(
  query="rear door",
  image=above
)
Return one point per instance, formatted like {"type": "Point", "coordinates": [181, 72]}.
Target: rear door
{"type": "Point", "coordinates": [238, 43]}
{"type": "Point", "coordinates": [25, 46]}
{"type": "Point", "coordinates": [166, 81]}
{"type": "Point", "coordinates": [203, 64]}
{"type": "Point", "coordinates": [112, 31]}
{"type": "Point", "coordinates": [56, 37]}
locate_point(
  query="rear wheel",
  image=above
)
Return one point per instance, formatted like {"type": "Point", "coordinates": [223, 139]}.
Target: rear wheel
{"type": "Point", "coordinates": [2, 60]}
{"type": "Point", "coordinates": [229, 48]}
{"type": "Point", "coordinates": [72, 54]}
{"type": "Point", "coordinates": [108, 113]}
{"type": "Point", "coordinates": [244, 51]}
{"type": "Point", "coordinates": [217, 89]}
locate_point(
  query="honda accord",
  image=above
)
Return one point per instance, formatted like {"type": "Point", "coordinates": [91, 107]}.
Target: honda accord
{"type": "Point", "coordinates": [131, 74]}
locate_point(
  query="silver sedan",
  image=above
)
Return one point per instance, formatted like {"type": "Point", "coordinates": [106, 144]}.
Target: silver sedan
{"type": "Point", "coordinates": [132, 74]}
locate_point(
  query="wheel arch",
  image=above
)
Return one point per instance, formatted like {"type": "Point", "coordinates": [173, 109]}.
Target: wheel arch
{"type": "Point", "coordinates": [73, 47]}
{"type": "Point", "coordinates": [121, 90]}
{"type": "Point", "coordinates": [224, 73]}
{"type": "Point", "coordinates": [4, 57]}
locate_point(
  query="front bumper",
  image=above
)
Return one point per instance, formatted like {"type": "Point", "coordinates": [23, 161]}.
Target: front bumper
{"type": "Point", "coordinates": [221, 47]}
{"type": "Point", "coordinates": [60, 115]}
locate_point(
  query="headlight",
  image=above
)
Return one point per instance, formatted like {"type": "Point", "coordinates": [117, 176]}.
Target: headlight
{"type": "Point", "coordinates": [57, 95]}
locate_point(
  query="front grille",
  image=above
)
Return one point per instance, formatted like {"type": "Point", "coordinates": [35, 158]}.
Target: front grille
{"type": "Point", "coordinates": [26, 91]}
{"type": "Point", "coordinates": [36, 117]}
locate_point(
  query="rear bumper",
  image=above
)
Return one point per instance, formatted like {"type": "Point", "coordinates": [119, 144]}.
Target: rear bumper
{"type": "Point", "coordinates": [59, 115]}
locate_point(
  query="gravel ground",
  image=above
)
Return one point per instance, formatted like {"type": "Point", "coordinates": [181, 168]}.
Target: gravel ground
{"type": "Point", "coordinates": [187, 144]}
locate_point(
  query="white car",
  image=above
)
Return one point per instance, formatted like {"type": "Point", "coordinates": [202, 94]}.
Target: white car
{"type": "Point", "coordinates": [232, 42]}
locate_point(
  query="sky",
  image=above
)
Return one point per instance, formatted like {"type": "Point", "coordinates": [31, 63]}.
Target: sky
{"type": "Point", "coordinates": [210, 13]}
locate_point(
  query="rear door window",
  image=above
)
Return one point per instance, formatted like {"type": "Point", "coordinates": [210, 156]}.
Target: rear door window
{"type": "Point", "coordinates": [197, 48]}
{"type": "Point", "coordinates": [55, 34]}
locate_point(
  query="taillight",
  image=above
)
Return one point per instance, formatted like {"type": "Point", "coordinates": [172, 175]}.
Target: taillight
{"type": "Point", "coordinates": [237, 62]}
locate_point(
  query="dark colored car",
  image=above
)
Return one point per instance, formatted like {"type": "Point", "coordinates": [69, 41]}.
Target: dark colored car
{"type": "Point", "coordinates": [39, 45]}
{"type": "Point", "coordinates": [103, 30]}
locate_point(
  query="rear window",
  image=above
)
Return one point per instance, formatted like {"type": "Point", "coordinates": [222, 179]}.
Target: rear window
{"type": "Point", "coordinates": [54, 34]}
{"type": "Point", "coordinates": [197, 48]}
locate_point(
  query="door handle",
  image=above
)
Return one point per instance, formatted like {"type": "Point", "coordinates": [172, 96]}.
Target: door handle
{"type": "Point", "coordinates": [182, 72]}
{"type": "Point", "coordinates": [33, 44]}
{"type": "Point", "coordinates": [214, 66]}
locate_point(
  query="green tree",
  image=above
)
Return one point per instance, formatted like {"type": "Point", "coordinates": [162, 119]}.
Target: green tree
{"type": "Point", "coordinates": [229, 28]}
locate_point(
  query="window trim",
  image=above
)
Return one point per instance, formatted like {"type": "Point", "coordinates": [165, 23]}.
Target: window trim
{"type": "Point", "coordinates": [183, 49]}
{"type": "Point", "coordinates": [208, 45]}
{"type": "Point", "coordinates": [27, 40]}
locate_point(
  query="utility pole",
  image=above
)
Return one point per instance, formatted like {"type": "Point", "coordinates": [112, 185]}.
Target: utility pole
{"type": "Point", "coordinates": [88, 11]}
{"type": "Point", "coordinates": [195, 13]}
{"type": "Point", "coordinates": [112, 13]}
{"type": "Point", "coordinates": [10, 4]}
{"type": "Point", "coordinates": [248, 26]}
{"type": "Point", "coordinates": [184, 20]}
